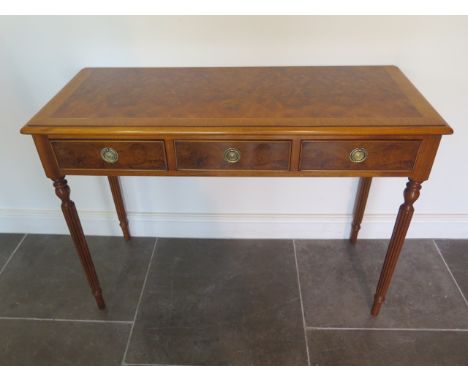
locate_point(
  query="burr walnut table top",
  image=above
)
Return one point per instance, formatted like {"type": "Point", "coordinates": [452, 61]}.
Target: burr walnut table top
{"type": "Point", "coordinates": [380, 98]}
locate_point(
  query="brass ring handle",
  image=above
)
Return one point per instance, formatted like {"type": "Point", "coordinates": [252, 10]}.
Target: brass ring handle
{"type": "Point", "coordinates": [232, 155]}
{"type": "Point", "coordinates": [358, 155]}
{"type": "Point", "coordinates": [109, 155]}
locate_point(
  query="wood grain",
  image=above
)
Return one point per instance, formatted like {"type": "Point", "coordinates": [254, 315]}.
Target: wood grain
{"type": "Point", "coordinates": [382, 155]}
{"type": "Point", "coordinates": [403, 220]}
{"type": "Point", "coordinates": [114, 184]}
{"type": "Point", "coordinates": [376, 96]}
{"type": "Point", "coordinates": [359, 207]}
{"type": "Point", "coordinates": [76, 232]}
{"type": "Point", "coordinates": [86, 154]}
{"type": "Point", "coordinates": [254, 155]}
{"type": "Point", "coordinates": [284, 121]}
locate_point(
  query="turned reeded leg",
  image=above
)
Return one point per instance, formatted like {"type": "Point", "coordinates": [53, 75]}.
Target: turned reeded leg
{"type": "Point", "coordinates": [119, 205]}
{"type": "Point", "coordinates": [76, 231]}
{"type": "Point", "coordinates": [359, 207]}
{"type": "Point", "coordinates": [402, 223]}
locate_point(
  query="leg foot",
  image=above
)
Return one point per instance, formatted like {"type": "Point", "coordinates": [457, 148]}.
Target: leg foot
{"type": "Point", "coordinates": [76, 232]}
{"type": "Point", "coordinates": [359, 207]}
{"type": "Point", "coordinates": [100, 300]}
{"type": "Point", "coordinates": [402, 223]}
{"type": "Point", "coordinates": [378, 301]}
{"type": "Point", "coordinates": [119, 205]}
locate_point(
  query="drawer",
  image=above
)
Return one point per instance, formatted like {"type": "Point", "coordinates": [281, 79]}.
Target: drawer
{"type": "Point", "coordinates": [134, 155]}
{"type": "Point", "coordinates": [359, 155]}
{"type": "Point", "coordinates": [232, 155]}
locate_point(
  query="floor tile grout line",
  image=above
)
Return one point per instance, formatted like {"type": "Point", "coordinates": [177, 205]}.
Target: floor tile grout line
{"type": "Point", "coordinates": [64, 320]}
{"type": "Point", "coordinates": [302, 304]}
{"type": "Point", "coordinates": [139, 302]}
{"type": "Point", "coordinates": [449, 270]}
{"type": "Point", "coordinates": [13, 253]}
{"type": "Point", "coordinates": [388, 329]}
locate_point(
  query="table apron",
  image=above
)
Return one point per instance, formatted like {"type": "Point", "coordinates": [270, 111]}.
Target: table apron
{"type": "Point", "coordinates": [264, 156]}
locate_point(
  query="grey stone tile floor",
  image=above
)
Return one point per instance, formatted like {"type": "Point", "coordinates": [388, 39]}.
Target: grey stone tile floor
{"type": "Point", "coordinates": [231, 302]}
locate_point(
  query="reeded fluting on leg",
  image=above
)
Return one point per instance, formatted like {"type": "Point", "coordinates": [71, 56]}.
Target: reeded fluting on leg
{"type": "Point", "coordinates": [359, 207]}
{"type": "Point", "coordinates": [119, 205]}
{"type": "Point", "coordinates": [76, 231]}
{"type": "Point", "coordinates": [405, 213]}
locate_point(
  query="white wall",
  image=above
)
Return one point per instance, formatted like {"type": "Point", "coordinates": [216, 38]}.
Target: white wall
{"type": "Point", "coordinates": [38, 55]}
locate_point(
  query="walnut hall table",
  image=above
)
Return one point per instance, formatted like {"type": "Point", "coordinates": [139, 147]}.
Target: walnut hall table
{"type": "Point", "coordinates": [360, 121]}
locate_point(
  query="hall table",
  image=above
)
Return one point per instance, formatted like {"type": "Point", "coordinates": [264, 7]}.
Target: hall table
{"type": "Point", "coordinates": [359, 121]}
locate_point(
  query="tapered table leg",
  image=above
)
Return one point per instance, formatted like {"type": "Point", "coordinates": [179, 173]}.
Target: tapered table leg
{"type": "Point", "coordinates": [76, 231]}
{"type": "Point", "coordinates": [119, 205]}
{"type": "Point", "coordinates": [402, 223]}
{"type": "Point", "coordinates": [359, 207]}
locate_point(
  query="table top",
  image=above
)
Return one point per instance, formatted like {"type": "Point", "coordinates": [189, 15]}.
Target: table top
{"type": "Point", "coordinates": [380, 97]}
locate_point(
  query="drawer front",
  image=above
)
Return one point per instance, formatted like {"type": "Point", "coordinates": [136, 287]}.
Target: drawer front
{"type": "Point", "coordinates": [358, 155]}
{"type": "Point", "coordinates": [133, 155]}
{"type": "Point", "coordinates": [232, 155]}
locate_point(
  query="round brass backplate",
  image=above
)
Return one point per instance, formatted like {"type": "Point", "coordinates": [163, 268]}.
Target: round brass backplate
{"type": "Point", "coordinates": [109, 155]}
{"type": "Point", "coordinates": [358, 155]}
{"type": "Point", "coordinates": [232, 155]}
